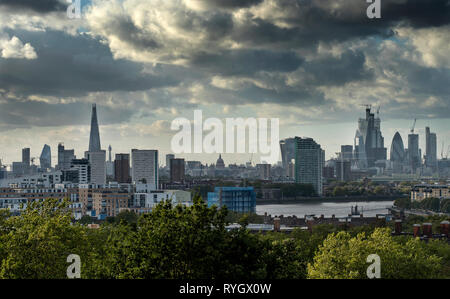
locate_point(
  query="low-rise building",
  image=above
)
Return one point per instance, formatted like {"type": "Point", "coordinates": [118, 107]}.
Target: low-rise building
{"type": "Point", "coordinates": [421, 192]}
{"type": "Point", "coordinates": [150, 199]}
{"type": "Point", "coordinates": [238, 199]}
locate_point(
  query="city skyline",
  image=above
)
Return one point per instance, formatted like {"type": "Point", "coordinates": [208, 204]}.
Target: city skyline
{"type": "Point", "coordinates": [95, 129]}
{"type": "Point", "coordinates": [312, 64]}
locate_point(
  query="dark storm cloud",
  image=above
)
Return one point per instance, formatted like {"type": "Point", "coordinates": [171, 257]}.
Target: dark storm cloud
{"type": "Point", "coordinates": [427, 81]}
{"type": "Point", "coordinates": [125, 30]}
{"type": "Point", "coordinates": [231, 4]}
{"type": "Point", "coordinates": [246, 62]}
{"type": "Point", "coordinates": [25, 113]}
{"type": "Point", "coordinates": [73, 66]}
{"type": "Point", "coordinates": [417, 13]}
{"type": "Point", "coordinates": [330, 71]}
{"type": "Point", "coordinates": [41, 6]}
{"type": "Point", "coordinates": [311, 21]}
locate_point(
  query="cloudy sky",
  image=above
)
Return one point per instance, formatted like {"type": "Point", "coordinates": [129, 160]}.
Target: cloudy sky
{"type": "Point", "coordinates": [310, 63]}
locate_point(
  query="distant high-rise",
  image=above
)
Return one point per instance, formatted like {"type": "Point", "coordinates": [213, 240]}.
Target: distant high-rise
{"type": "Point", "coordinates": [177, 170]}
{"type": "Point", "coordinates": [79, 172]}
{"type": "Point", "coordinates": [413, 151]}
{"type": "Point", "coordinates": [26, 157]}
{"type": "Point", "coordinates": [97, 161]}
{"type": "Point", "coordinates": [309, 163]}
{"type": "Point", "coordinates": [343, 170]}
{"type": "Point", "coordinates": [397, 149]}
{"type": "Point", "coordinates": [287, 148]}
{"type": "Point", "coordinates": [369, 137]}
{"type": "Point", "coordinates": [65, 157]}
{"type": "Point", "coordinates": [431, 149]}
{"type": "Point", "coordinates": [263, 171]}
{"type": "Point", "coordinates": [398, 153]}
{"type": "Point", "coordinates": [94, 140]}
{"type": "Point", "coordinates": [46, 158]}
{"type": "Point", "coordinates": [168, 158]}
{"type": "Point", "coordinates": [122, 168]}
{"type": "Point", "coordinates": [347, 152]}
{"type": "Point", "coordinates": [145, 167]}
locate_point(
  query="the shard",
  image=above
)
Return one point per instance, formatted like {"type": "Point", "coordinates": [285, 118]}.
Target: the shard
{"type": "Point", "coordinates": [94, 140]}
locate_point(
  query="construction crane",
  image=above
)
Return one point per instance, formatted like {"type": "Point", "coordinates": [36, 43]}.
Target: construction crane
{"type": "Point", "coordinates": [413, 126]}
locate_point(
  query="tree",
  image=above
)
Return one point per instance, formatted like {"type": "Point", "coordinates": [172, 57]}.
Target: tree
{"type": "Point", "coordinates": [342, 257]}
{"type": "Point", "coordinates": [85, 219]}
{"type": "Point", "coordinates": [37, 243]}
{"type": "Point", "coordinates": [403, 203]}
{"type": "Point", "coordinates": [182, 242]}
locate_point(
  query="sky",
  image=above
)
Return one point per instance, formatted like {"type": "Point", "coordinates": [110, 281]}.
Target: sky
{"type": "Point", "coordinates": [311, 63]}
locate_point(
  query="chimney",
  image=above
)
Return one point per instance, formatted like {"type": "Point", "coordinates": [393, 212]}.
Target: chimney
{"type": "Point", "coordinates": [309, 224]}
{"type": "Point", "coordinates": [444, 228]}
{"type": "Point", "coordinates": [428, 230]}
{"type": "Point", "coordinates": [398, 227]}
{"type": "Point", "coordinates": [276, 224]}
{"type": "Point", "coordinates": [416, 230]}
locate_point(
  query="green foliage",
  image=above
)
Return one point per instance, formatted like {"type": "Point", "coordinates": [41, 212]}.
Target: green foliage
{"type": "Point", "coordinates": [127, 217]}
{"type": "Point", "coordinates": [403, 203]}
{"type": "Point", "coordinates": [182, 242]}
{"type": "Point", "coordinates": [236, 217]}
{"type": "Point", "coordinates": [193, 243]}
{"type": "Point", "coordinates": [37, 243]}
{"type": "Point", "coordinates": [344, 257]}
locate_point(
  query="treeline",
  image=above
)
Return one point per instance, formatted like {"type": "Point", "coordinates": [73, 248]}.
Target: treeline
{"type": "Point", "coordinates": [431, 204]}
{"type": "Point", "coordinates": [193, 243]}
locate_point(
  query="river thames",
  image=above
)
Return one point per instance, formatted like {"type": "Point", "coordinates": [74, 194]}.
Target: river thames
{"type": "Point", "coordinates": [339, 209]}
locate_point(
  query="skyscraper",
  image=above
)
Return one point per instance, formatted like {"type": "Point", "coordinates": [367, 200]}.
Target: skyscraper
{"type": "Point", "coordinates": [177, 170]}
{"type": "Point", "coordinates": [79, 172]}
{"type": "Point", "coordinates": [347, 152]}
{"type": "Point", "coordinates": [94, 139]}
{"type": "Point", "coordinates": [431, 149]}
{"type": "Point", "coordinates": [145, 167]}
{"type": "Point", "coordinates": [26, 157]}
{"type": "Point", "coordinates": [413, 151]}
{"type": "Point", "coordinates": [369, 137]}
{"type": "Point", "coordinates": [398, 153]}
{"type": "Point", "coordinates": [309, 163]}
{"type": "Point", "coordinates": [65, 157]}
{"type": "Point", "coordinates": [168, 158]}
{"type": "Point", "coordinates": [122, 168]}
{"type": "Point", "coordinates": [287, 148]}
{"type": "Point", "coordinates": [97, 161]}
{"type": "Point", "coordinates": [46, 158]}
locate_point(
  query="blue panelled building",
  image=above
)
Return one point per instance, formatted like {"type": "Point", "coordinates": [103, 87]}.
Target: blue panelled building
{"type": "Point", "coordinates": [237, 199]}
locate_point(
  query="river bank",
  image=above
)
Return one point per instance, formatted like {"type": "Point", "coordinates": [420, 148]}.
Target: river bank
{"type": "Point", "coordinates": [326, 199]}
